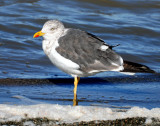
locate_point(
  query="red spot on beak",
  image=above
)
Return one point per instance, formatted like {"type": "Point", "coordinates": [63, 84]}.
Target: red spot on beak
{"type": "Point", "coordinates": [36, 36]}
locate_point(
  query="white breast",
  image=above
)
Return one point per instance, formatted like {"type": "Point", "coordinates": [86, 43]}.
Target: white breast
{"type": "Point", "coordinates": [59, 61]}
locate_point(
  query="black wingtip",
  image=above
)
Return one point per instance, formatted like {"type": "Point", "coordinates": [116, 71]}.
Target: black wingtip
{"type": "Point", "coordinates": [112, 46]}
{"type": "Point", "coordinates": [136, 68]}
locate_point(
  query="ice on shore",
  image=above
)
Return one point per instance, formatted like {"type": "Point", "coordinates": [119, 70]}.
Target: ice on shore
{"type": "Point", "coordinates": [70, 114]}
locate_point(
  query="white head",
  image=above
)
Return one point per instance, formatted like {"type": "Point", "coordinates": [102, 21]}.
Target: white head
{"type": "Point", "coordinates": [51, 29]}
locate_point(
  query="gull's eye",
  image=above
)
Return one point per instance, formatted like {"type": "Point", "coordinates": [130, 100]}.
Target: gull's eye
{"type": "Point", "coordinates": [52, 29]}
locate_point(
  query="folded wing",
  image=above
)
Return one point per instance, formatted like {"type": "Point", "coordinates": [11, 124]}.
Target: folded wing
{"type": "Point", "coordinates": [90, 52]}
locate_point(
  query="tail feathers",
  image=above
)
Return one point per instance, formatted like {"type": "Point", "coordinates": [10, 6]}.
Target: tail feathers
{"type": "Point", "coordinates": [136, 68]}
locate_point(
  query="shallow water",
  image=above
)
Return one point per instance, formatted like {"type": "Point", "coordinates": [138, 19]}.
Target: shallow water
{"type": "Point", "coordinates": [132, 24]}
{"type": "Point", "coordinates": [120, 92]}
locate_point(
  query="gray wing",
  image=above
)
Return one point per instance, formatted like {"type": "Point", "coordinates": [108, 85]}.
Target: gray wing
{"type": "Point", "coordinates": [86, 50]}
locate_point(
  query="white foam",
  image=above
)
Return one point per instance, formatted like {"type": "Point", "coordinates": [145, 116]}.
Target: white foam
{"type": "Point", "coordinates": [70, 114]}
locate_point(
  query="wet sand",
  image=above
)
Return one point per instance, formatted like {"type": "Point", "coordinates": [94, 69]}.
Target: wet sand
{"type": "Point", "coordinates": [139, 121]}
{"type": "Point", "coordinates": [90, 80]}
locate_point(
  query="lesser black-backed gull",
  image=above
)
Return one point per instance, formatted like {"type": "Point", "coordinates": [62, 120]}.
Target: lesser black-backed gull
{"type": "Point", "coordinates": [77, 52]}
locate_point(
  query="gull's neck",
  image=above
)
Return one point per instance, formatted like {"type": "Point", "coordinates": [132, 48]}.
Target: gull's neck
{"type": "Point", "coordinates": [51, 40]}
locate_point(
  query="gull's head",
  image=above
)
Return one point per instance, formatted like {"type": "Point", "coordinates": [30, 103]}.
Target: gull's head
{"type": "Point", "coordinates": [50, 29]}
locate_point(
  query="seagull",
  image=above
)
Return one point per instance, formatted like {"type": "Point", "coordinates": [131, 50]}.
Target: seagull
{"type": "Point", "coordinates": [80, 53]}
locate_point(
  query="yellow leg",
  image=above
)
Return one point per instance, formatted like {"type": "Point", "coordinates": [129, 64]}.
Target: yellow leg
{"type": "Point", "coordinates": [75, 101]}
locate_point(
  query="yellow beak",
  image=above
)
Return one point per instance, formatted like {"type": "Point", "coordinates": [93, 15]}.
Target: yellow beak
{"type": "Point", "coordinates": [37, 34]}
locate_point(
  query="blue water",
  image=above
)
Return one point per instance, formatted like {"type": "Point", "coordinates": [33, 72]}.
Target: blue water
{"type": "Point", "coordinates": [132, 24]}
{"type": "Point", "coordinates": [120, 92]}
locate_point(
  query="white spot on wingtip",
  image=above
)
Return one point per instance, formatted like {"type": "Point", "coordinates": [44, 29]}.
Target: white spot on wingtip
{"type": "Point", "coordinates": [104, 47]}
